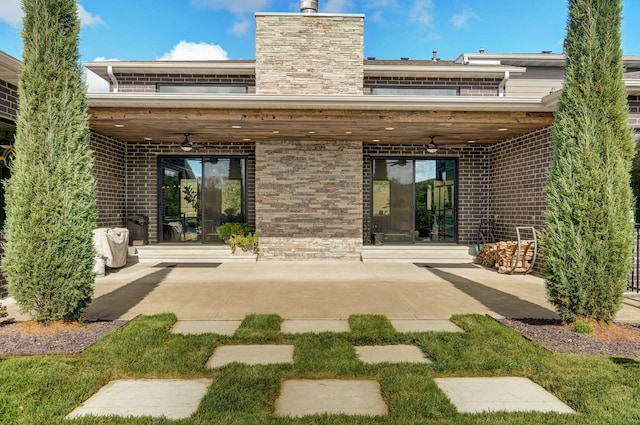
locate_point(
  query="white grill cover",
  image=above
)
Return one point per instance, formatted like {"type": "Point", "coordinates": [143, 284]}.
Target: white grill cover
{"type": "Point", "coordinates": [111, 244]}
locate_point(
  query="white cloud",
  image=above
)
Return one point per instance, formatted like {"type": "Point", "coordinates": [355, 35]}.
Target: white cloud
{"type": "Point", "coordinates": [461, 19]}
{"type": "Point", "coordinates": [11, 12]}
{"type": "Point", "coordinates": [421, 12]}
{"type": "Point", "coordinates": [336, 6]}
{"type": "Point", "coordinates": [186, 50]}
{"type": "Point", "coordinates": [377, 17]}
{"type": "Point", "coordinates": [88, 19]}
{"type": "Point", "coordinates": [241, 27]}
{"type": "Point", "coordinates": [235, 6]}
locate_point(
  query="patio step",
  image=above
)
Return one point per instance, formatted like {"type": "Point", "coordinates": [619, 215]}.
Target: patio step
{"type": "Point", "coordinates": [176, 253]}
{"type": "Point", "coordinates": [435, 254]}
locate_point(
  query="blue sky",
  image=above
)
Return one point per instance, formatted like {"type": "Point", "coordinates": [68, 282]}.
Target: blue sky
{"type": "Point", "coordinates": [225, 29]}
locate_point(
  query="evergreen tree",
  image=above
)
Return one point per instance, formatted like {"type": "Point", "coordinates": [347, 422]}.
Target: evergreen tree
{"type": "Point", "coordinates": [589, 230]}
{"type": "Point", "coordinates": [50, 196]}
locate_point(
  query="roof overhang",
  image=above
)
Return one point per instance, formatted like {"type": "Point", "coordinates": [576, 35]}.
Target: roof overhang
{"type": "Point", "coordinates": [101, 68]}
{"type": "Point", "coordinates": [136, 117]}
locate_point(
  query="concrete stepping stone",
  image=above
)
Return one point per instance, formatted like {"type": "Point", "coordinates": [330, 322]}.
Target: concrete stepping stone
{"type": "Point", "coordinates": [404, 326]}
{"type": "Point", "coordinates": [298, 326]}
{"type": "Point", "coordinates": [503, 394]}
{"type": "Point", "coordinates": [251, 355]}
{"type": "Point", "coordinates": [171, 398]}
{"type": "Point", "coordinates": [374, 354]}
{"type": "Point", "coordinates": [196, 327]}
{"type": "Point", "coordinates": [302, 397]}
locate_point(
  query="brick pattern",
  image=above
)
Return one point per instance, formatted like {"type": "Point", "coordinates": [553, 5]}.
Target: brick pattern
{"type": "Point", "coordinates": [147, 83]}
{"type": "Point", "coordinates": [109, 173]}
{"type": "Point", "coordinates": [309, 199]}
{"type": "Point", "coordinates": [309, 54]}
{"type": "Point", "coordinates": [142, 175]}
{"type": "Point", "coordinates": [473, 183]}
{"type": "Point", "coordinates": [466, 86]}
{"type": "Point", "coordinates": [8, 100]}
{"type": "Point", "coordinates": [519, 171]}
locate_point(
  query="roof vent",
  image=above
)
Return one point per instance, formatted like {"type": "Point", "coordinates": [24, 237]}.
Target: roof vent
{"type": "Point", "coordinates": [435, 55]}
{"type": "Point", "coordinates": [308, 6]}
{"type": "Point", "coordinates": [546, 52]}
{"type": "Point", "coordinates": [481, 50]}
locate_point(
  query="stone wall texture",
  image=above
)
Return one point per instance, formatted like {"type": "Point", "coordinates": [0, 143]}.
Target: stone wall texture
{"type": "Point", "coordinates": [309, 54]}
{"type": "Point", "coordinates": [309, 200]}
{"type": "Point", "coordinates": [142, 175]}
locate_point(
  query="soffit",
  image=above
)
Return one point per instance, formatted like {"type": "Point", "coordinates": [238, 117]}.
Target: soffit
{"type": "Point", "coordinates": [370, 121]}
{"type": "Point", "coordinates": [9, 68]}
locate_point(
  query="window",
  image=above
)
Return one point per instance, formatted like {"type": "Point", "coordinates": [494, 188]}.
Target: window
{"type": "Point", "coordinates": [414, 91]}
{"type": "Point", "coordinates": [202, 88]}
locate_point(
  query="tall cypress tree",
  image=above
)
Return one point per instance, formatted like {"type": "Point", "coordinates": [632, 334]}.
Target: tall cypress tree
{"type": "Point", "coordinates": [589, 230]}
{"type": "Point", "coordinates": [50, 196]}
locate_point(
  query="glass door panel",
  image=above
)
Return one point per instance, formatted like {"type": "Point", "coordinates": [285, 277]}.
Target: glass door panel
{"type": "Point", "coordinates": [435, 212]}
{"type": "Point", "coordinates": [200, 194]}
{"type": "Point", "coordinates": [393, 199]}
{"type": "Point", "coordinates": [181, 199]}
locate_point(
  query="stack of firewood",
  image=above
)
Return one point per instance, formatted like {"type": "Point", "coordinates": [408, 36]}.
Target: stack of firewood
{"type": "Point", "coordinates": [502, 255]}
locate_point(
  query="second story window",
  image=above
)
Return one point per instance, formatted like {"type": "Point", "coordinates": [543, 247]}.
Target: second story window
{"type": "Point", "coordinates": [414, 91]}
{"type": "Point", "coordinates": [202, 88]}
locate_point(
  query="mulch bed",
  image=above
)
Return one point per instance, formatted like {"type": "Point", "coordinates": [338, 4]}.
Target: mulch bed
{"type": "Point", "coordinates": [30, 338]}
{"type": "Point", "coordinates": [618, 339]}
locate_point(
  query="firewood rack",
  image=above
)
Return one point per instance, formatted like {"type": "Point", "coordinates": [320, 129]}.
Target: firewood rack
{"type": "Point", "coordinates": [520, 253]}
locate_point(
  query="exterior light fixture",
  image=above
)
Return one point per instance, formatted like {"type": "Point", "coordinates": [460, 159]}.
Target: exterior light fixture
{"type": "Point", "coordinates": [432, 147]}
{"type": "Point", "coordinates": [186, 145]}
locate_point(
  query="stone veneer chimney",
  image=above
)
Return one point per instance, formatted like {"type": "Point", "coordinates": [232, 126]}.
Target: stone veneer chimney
{"type": "Point", "coordinates": [309, 53]}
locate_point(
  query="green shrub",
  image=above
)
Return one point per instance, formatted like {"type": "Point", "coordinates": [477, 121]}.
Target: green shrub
{"type": "Point", "coordinates": [50, 197]}
{"type": "Point", "coordinates": [232, 228]}
{"type": "Point", "coordinates": [582, 327]}
{"type": "Point", "coordinates": [587, 249]}
{"type": "Point", "coordinates": [244, 242]}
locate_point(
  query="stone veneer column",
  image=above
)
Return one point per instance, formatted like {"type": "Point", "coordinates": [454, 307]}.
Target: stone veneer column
{"type": "Point", "coordinates": [309, 200]}
{"type": "Point", "coordinates": [309, 53]}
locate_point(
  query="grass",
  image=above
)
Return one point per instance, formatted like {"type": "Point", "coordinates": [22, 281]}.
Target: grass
{"type": "Point", "coordinates": [44, 389]}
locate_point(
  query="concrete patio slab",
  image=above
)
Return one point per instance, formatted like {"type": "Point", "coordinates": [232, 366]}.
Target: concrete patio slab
{"type": "Point", "coordinates": [293, 326]}
{"type": "Point", "coordinates": [405, 326]}
{"type": "Point", "coordinates": [250, 355]}
{"type": "Point", "coordinates": [171, 398]}
{"type": "Point", "coordinates": [374, 354]}
{"type": "Point", "coordinates": [503, 394]}
{"type": "Point", "coordinates": [302, 397]}
{"type": "Point", "coordinates": [195, 327]}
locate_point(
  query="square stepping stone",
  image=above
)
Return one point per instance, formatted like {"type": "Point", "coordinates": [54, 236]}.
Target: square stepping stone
{"type": "Point", "coordinates": [171, 398]}
{"type": "Point", "coordinates": [251, 355]}
{"type": "Point", "coordinates": [424, 326]}
{"type": "Point", "coordinates": [505, 394]}
{"type": "Point", "coordinates": [314, 326]}
{"type": "Point", "coordinates": [195, 327]}
{"type": "Point", "coordinates": [302, 397]}
{"type": "Point", "coordinates": [374, 354]}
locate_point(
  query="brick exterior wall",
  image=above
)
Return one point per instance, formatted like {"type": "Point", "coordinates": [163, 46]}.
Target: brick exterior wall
{"type": "Point", "coordinates": [309, 54]}
{"type": "Point", "coordinates": [309, 200]}
{"type": "Point", "coordinates": [142, 175]}
{"type": "Point", "coordinates": [519, 171]}
{"type": "Point", "coordinates": [8, 100]}
{"type": "Point", "coordinates": [466, 86]}
{"type": "Point", "coordinates": [147, 83]}
{"type": "Point", "coordinates": [473, 183]}
{"type": "Point", "coordinates": [109, 173]}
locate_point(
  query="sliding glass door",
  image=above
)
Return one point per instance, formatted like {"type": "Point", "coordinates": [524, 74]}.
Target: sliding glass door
{"type": "Point", "coordinates": [198, 194]}
{"type": "Point", "coordinates": [414, 200]}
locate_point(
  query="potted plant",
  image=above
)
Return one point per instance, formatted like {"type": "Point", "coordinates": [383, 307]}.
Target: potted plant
{"type": "Point", "coordinates": [244, 244]}
{"type": "Point", "coordinates": [226, 230]}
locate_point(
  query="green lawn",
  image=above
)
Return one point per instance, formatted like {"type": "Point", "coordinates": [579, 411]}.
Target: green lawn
{"type": "Point", "coordinates": [43, 389]}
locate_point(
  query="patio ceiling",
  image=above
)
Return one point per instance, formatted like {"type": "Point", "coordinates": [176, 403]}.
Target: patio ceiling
{"type": "Point", "coordinates": [138, 124]}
